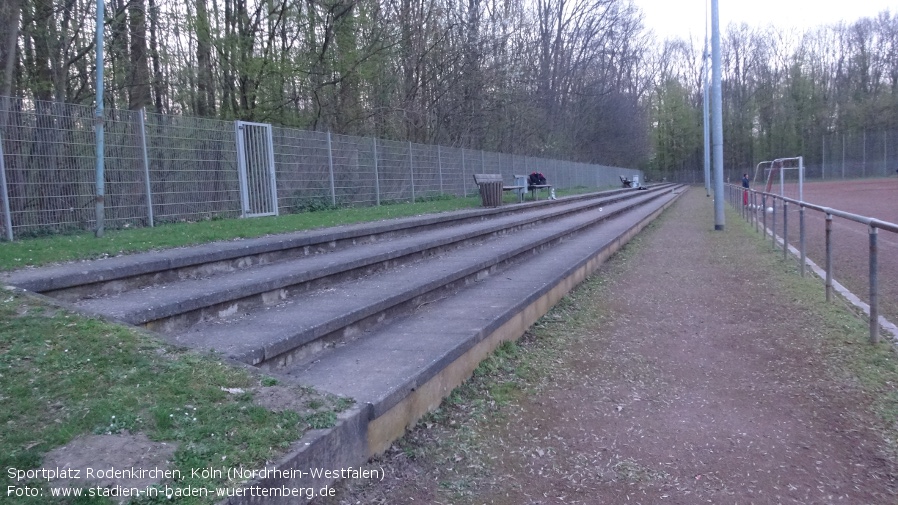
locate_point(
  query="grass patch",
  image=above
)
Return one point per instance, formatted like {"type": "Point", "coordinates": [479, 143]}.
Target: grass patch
{"type": "Point", "coordinates": [43, 250]}
{"type": "Point", "coordinates": [57, 248]}
{"type": "Point", "coordinates": [871, 370]}
{"type": "Point", "coordinates": [62, 376]}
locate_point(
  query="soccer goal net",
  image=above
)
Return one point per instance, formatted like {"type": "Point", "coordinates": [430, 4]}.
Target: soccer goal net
{"type": "Point", "coordinates": [783, 177]}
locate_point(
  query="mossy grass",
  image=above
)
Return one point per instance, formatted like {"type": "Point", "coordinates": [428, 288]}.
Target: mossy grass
{"type": "Point", "coordinates": [64, 376]}
{"type": "Point", "coordinates": [841, 331]}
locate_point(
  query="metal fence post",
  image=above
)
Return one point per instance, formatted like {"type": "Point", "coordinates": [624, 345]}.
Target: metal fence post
{"type": "Point", "coordinates": [829, 257]}
{"type": "Point", "coordinates": [142, 114]}
{"type": "Point", "coordinates": [376, 176]}
{"type": "Point", "coordinates": [864, 155]}
{"type": "Point", "coordinates": [330, 168]}
{"type": "Point", "coordinates": [801, 239]}
{"type": "Point", "coordinates": [440, 168]}
{"type": "Point", "coordinates": [874, 287]}
{"type": "Point", "coordinates": [843, 155]}
{"type": "Point", "coordinates": [4, 192]}
{"type": "Point", "coordinates": [99, 118]}
{"type": "Point", "coordinates": [411, 169]}
{"type": "Point", "coordinates": [464, 179]}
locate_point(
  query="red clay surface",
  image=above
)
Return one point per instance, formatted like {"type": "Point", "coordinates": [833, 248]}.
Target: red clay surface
{"type": "Point", "coordinates": [877, 198]}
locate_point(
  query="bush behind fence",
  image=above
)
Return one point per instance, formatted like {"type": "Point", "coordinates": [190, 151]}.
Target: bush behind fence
{"type": "Point", "coordinates": [174, 168]}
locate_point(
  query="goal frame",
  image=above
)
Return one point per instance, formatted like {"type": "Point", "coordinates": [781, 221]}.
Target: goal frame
{"type": "Point", "coordinates": [776, 168]}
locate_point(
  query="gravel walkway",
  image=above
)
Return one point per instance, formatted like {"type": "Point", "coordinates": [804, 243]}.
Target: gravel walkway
{"type": "Point", "coordinates": [694, 384]}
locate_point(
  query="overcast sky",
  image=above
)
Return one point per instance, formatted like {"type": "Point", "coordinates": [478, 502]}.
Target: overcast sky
{"type": "Point", "coordinates": [668, 18]}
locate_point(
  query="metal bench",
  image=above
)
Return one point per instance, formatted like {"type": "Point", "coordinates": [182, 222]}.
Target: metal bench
{"type": "Point", "coordinates": [533, 188]}
{"type": "Point", "coordinates": [627, 183]}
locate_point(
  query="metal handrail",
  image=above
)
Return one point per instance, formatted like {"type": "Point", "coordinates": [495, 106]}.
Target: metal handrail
{"type": "Point", "coordinates": [873, 225]}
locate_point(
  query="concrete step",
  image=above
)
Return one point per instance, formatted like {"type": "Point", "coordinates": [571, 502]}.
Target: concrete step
{"type": "Point", "coordinates": [81, 279]}
{"type": "Point", "coordinates": [396, 333]}
{"type": "Point", "coordinates": [404, 369]}
{"type": "Point", "coordinates": [279, 335]}
{"type": "Point", "coordinates": [175, 306]}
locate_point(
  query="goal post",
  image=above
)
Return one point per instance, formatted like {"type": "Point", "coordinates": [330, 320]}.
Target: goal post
{"type": "Point", "coordinates": [785, 177]}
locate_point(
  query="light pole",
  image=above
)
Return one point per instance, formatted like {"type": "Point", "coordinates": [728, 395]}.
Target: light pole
{"type": "Point", "coordinates": [717, 118]}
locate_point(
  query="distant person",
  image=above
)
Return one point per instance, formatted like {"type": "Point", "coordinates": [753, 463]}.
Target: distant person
{"type": "Point", "coordinates": [745, 191]}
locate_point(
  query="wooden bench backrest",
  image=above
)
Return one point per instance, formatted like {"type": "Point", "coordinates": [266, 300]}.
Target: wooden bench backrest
{"type": "Point", "coordinates": [479, 178]}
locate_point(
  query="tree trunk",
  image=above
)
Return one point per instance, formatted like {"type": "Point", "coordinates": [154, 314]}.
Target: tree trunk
{"type": "Point", "coordinates": [205, 100]}
{"type": "Point", "coordinates": [139, 79]}
{"type": "Point", "coordinates": [158, 83]}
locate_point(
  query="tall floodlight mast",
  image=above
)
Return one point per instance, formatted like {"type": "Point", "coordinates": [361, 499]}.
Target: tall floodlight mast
{"type": "Point", "coordinates": [705, 106]}
{"type": "Point", "coordinates": [717, 117]}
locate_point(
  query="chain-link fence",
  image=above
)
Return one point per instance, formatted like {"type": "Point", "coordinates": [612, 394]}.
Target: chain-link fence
{"type": "Point", "coordinates": [165, 168]}
{"type": "Point", "coordinates": [849, 155]}
{"type": "Point", "coordinates": [857, 154]}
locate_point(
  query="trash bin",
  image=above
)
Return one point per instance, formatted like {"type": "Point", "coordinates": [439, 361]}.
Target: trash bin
{"type": "Point", "coordinates": [491, 193]}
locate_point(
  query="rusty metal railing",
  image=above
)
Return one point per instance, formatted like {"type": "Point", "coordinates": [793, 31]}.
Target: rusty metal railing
{"type": "Point", "coordinates": [768, 204]}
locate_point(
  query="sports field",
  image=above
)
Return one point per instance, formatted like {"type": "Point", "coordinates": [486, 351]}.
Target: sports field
{"type": "Point", "coordinates": [877, 198]}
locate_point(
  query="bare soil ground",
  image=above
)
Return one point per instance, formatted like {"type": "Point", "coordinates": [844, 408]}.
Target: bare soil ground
{"type": "Point", "coordinates": [683, 372]}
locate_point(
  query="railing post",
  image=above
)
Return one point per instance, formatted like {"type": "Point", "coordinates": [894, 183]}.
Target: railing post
{"type": "Point", "coordinates": [376, 176]}
{"type": "Point", "coordinates": [829, 257]}
{"type": "Point", "coordinates": [754, 208]}
{"type": "Point", "coordinates": [773, 225]}
{"type": "Point", "coordinates": [801, 239]}
{"type": "Point", "coordinates": [764, 210]}
{"type": "Point", "coordinates": [330, 168]}
{"type": "Point", "coordinates": [146, 164]}
{"type": "Point", "coordinates": [4, 192]}
{"type": "Point", "coordinates": [874, 287]}
{"type": "Point", "coordinates": [785, 230]}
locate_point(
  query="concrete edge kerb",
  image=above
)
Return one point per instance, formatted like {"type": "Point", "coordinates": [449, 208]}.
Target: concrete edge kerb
{"type": "Point", "coordinates": [844, 292]}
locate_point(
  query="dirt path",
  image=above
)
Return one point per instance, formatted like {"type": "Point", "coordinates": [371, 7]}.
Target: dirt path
{"type": "Point", "coordinates": [690, 383]}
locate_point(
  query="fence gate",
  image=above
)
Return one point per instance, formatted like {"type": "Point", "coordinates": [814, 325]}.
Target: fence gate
{"type": "Point", "coordinates": [255, 163]}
